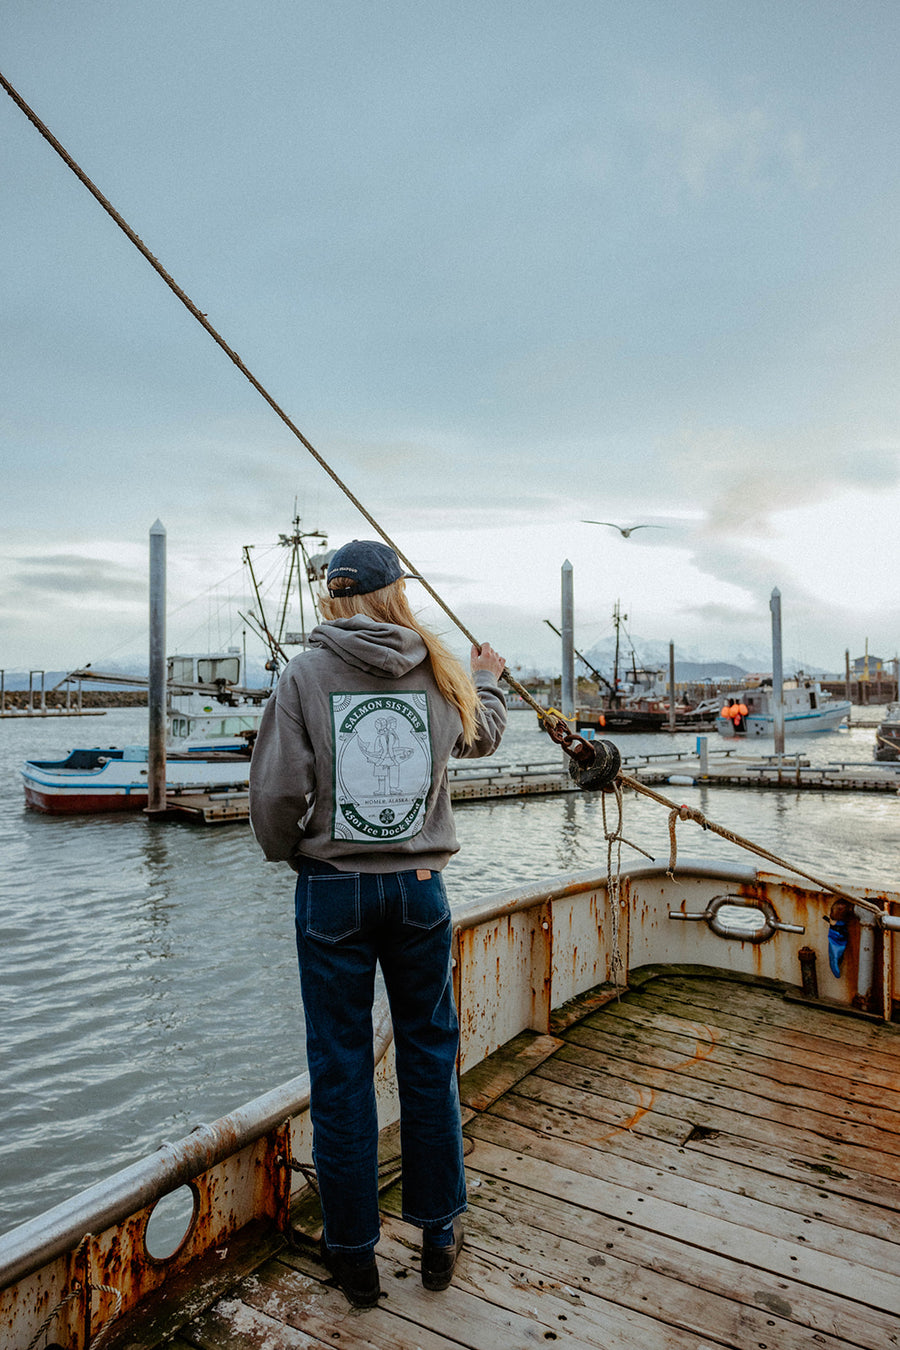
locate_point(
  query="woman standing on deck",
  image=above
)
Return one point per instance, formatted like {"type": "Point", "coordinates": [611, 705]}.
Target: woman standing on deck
{"type": "Point", "coordinates": [368, 852]}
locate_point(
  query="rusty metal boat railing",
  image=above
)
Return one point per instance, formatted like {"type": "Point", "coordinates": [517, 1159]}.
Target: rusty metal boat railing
{"type": "Point", "coordinates": [82, 1272]}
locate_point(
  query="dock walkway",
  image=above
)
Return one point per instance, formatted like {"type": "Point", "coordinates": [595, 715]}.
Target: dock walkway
{"type": "Point", "coordinates": [491, 783]}
{"type": "Point", "coordinates": [793, 772]}
{"type": "Point", "coordinates": [699, 1164]}
{"type": "Point", "coordinates": [526, 780]}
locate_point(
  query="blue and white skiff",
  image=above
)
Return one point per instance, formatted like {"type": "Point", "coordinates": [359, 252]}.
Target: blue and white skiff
{"type": "Point", "coordinates": [212, 721]}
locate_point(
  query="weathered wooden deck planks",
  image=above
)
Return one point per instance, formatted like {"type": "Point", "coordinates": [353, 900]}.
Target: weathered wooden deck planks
{"type": "Point", "coordinates": [699, 1164]}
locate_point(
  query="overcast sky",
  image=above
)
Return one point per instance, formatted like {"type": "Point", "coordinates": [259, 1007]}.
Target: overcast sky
{"type": "Point", "coordinates": [508, 265]}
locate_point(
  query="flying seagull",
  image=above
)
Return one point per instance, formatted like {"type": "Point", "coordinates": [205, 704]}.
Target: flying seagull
{"type": "Point", "coordinates": [624, 530]}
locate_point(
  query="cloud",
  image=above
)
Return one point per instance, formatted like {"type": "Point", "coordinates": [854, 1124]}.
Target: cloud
{"type": "Point", "coordinates": [701, 140]}
{"type": "Point", "coordinates": [721, 615]}
{"type": "Point", "coordinates": [73, 574]}
{"type": "Point", "coordinates": [744, 479]}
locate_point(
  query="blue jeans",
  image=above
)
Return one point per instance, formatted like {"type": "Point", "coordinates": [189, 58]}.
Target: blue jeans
{"type": "Point", "coordinates": [346, 922]}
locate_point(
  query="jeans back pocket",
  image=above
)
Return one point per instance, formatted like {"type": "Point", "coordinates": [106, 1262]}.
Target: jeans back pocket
{"type": "Point", "coordinates": [329, 910]}
{"type": "Point", "coordinates": [425, 903]}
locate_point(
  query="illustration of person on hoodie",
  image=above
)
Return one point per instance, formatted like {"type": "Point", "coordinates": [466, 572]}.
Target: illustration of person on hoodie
{"type": "Point", "coordinates": [386, 755]}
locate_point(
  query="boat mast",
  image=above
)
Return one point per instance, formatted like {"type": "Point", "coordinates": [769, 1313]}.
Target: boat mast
{"type": "Point", "coordinates": [299, 559]}
{"type": "Point", "coordinates": [260, 625]}
{"type": "Point", "coordinates": [617, 620]}
{"type": "Point", "coordinates": [601, 679]}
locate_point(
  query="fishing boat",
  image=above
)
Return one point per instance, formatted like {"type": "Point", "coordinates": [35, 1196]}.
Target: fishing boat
{"type": "Point", "coordinates": [636, 712]}
{"type": "Point", "coordinates": [212, 715]}
{"type": "Point", "coordinates": [623, 718]}
{"type": "Point", "coordinates": [807, 708]}
{"type": "Point", "coordinates": [682, 1114]}
{"type": "Point", "coordinates": [887, 737]}
{"type": "Point", "coordinates": [682, 1110]}
{"type": "Point", "coordinates": [643, 715]}
{"type": "Point", "coordinates": [212, 720]}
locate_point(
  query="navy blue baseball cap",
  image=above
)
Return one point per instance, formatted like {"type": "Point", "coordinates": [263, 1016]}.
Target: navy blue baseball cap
{"type": "Point", "coordinates": [363, 566]}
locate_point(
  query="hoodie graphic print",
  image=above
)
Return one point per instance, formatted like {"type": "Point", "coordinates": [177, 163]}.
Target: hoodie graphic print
{"type": "Point", "coordinates": [382, 764]}
{"type": "Point", "coordinates": [350, 764]}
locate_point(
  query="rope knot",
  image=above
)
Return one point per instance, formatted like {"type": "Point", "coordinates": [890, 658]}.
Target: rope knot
{"type": "Point", "coordinates": [682, 812]}
{"type": "Point", "coordinates": [685, 812]}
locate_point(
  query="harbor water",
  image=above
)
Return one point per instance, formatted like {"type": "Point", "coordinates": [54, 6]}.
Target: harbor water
{"type": "Point", "coordinates": [147, 968]}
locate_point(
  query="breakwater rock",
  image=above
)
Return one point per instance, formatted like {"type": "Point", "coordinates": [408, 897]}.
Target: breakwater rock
{"type": "Point", "coordinates": [19, 700]}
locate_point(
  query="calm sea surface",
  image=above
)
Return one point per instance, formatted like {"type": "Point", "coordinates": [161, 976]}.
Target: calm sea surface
{"type": "Point", "coordinates": [147, 969]}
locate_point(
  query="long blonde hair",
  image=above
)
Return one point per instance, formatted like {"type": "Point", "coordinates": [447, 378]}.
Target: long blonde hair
{"type": "Point", "coordinates": [390, 605]}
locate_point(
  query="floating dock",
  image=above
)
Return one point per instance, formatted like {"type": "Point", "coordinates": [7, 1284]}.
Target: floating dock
{"type": "Point", "coordinates": [6, 713]}
{"type": "Point", "coordinates": [488, 784]}
{"type": "Point", "coordinates": [541, 780]}
{"type": "Point", "coordinates": [792, 772]}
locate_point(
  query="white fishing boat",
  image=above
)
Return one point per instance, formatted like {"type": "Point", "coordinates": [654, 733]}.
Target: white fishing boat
{"type": "Point", "coordinates": [807, 708]}
{"type": "Point", "coordinates": [212, 715]}
{"type": "Point", "coordinates": [212, 720]}
{"type": "Point", "coordinates": [681, 1103]}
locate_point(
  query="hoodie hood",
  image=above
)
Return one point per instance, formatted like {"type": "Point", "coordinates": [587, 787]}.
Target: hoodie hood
{"type": "Point", "coordinates": [383, 649]}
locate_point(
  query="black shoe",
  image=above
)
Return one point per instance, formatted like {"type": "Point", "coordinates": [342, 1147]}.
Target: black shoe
{"type": "Point", "coordinates": [438, 1263]}
{"type": "Point", "coordinates": [360, 1283]}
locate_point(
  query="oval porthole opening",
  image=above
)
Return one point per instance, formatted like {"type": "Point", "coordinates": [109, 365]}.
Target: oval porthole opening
{"type": "Point", "coordinates": [170, 1223]}
{"type": "Point", "coordinates": [741, 920]}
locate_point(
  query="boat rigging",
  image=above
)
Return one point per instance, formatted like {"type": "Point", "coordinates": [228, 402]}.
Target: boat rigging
{"type": "Point", "coordinates": [304, 570]}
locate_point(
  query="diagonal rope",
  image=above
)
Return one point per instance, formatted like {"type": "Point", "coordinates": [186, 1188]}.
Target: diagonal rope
{"type": "Point", "coordinates": [678, 811]}
{"type": "Point", "coordinates": [246, 372]}
{"type": "Point", "coordinates": [554, 723]}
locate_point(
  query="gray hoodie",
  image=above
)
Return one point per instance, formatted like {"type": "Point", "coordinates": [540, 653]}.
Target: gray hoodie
{"type": "Point", "coordinates": [350, 764]}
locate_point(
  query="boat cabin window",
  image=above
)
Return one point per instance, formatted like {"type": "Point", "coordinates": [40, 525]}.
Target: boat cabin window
{"type": "Point", "coordinates": [232, 726]}
{"type": "Point", "coordinates": [812, 699]}
{"type": "Point", "coordinates": [229, 726]}
{"type": "Point", "coordinates": [181, 669]}
{"type": "Point", "coordinates": [227, 668]}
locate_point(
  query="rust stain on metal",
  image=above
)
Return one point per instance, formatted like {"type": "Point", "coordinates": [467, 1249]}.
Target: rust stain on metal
{"type": "Point", "coordinates": [469, 1012]}
{"type": "Point", "coordinates": [541, 960]}
{"type": "Point", "coordinates": [251, 1185]}
{"type": "Point", "coordinates": [61, 1295]}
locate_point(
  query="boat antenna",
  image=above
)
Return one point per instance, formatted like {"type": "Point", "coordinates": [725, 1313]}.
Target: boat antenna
{"type": "Point", "coordinates": [579, 750]}
{"type": "Point", "coordinates": [617, 620]}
